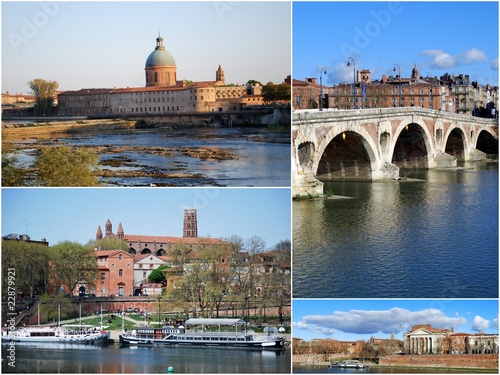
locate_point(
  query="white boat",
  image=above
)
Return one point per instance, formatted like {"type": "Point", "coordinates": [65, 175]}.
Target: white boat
{"type": "Point", "coordinates": [352, 364]}
{"type": "Point", "coordinates": [205, 333]}
{"type": "Point", "coordinates": [68, 333]}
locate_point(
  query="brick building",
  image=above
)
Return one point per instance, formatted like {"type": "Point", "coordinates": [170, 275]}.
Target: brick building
{"type": "Point", "coordinates": [457, 94]}
{"type": "Point", "coordinates": [306, 94]}
{"type": "Point", "coordinates": [390, 92]}
{"type": "Point", "coordinates": [149, 252]}
{"type": "Point", "coordinates": [162, 245]}
{"type": "Point", "coordinates": [114, 277]}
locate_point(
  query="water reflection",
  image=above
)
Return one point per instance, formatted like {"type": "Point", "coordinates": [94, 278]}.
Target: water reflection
{"type": "Point", "coordinates": [435, 235]}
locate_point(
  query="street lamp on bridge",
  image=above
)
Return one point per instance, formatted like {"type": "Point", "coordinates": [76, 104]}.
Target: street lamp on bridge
{"type": "Point", "coordinates": [353, 81]}
{"type": "Point", "coordinates": [321, 72]}
{"type": "Point", "coordinates": [394, 69]}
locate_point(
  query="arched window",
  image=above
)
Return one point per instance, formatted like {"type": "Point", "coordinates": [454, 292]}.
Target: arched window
{"type": "Point", "coordinates": [120, 273]}
{"type": "Point", "coordinates": [155, 76]}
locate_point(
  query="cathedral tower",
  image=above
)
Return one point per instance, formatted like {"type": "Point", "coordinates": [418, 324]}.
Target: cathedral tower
{"type": "Point", "coordinates": [109, 228]}
{"type": "Point", "coordinates": [98, 235]}
{"type": "Point", "coordinates": [190, 223]}
{"type": "Point", "coordinates": [120, 232]}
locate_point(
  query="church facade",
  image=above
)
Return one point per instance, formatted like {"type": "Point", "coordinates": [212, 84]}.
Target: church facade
{"type": "Point", "coordinates": [425, 339]}
{"type": "Point", "coordinates": [162, 94]}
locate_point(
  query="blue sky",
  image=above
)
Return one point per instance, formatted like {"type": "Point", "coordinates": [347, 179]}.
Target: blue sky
{"type": "Point", "coordinates": [74, 214]}
{"type": "Point", "coordinates": [106, 44]}
{"type": "Point", "coordinates": [361, 319]}
{"type": "Point", "coordinates": [437, 37]}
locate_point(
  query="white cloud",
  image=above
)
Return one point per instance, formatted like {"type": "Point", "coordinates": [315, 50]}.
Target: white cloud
{"type": "Point", "coordinates": [443, 60]}
{"type": "Point", "coordinates": [324, 331]}
{"type": "Point", "coordinates": [480, 324]}
{"type": "Point", "coordinates": [342, 73]}
{"type": "Point", "coordinates": [494, 64]}
{"type": "Point", "coordinates": [395, 320]}
{"type": "Point", "coordinates": [494, 323]}
{"type": "Point", "coordinates": [440, 59]}
{"type": "Point", "coordinates": [300, 325]}
{"type": "Point", "coordinates": [474, 54]}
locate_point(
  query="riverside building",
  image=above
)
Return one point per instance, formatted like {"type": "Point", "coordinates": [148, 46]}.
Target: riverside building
{"type": "Point", "coordinates": [162, 94]}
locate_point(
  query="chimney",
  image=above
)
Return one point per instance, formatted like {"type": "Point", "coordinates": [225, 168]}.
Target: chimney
{"type": "Point", "coordinates": [384, 78]}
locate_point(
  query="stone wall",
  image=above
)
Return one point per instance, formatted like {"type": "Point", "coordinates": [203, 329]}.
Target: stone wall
{"type": "Point", "coordinates": [454, 360]}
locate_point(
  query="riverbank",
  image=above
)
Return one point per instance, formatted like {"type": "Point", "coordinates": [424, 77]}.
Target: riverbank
{"type": "Point", "coordinates": [486, 363]}
{"type": "Point", "coordinates": [43, 130]}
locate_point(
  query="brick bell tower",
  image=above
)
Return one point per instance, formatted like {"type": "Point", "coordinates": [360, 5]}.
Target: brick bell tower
{"type": "Point", "coordinates": [190, 223]}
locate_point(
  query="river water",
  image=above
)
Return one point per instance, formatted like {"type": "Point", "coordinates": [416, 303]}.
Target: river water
{"type": "Point", "coordinates": [434, 235]}
{"type": "Point", "coordinates": [113, 359]}
{"type": "Point", "coordinates": [262, 157]}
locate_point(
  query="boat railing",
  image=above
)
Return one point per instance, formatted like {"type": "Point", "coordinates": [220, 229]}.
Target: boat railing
{"type": "Point", "coordinates": [199, 332]}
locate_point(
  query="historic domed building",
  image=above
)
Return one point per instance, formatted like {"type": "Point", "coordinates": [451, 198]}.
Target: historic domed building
{"type": "Point", "coordinates": [160, 66]}
{"type": "Point", "coordinates": [163, 94]}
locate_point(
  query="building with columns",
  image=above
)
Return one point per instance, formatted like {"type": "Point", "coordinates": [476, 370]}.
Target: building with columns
{"type": "Point", "coordinates": [424, 339]}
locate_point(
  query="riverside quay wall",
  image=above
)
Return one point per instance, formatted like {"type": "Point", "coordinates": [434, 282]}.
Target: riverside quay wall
{"type": "Point", "coordinates": [487, 361]}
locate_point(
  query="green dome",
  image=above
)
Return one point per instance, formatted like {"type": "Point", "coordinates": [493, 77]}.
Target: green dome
{"type": "Point", "coordinates": [160, 56]}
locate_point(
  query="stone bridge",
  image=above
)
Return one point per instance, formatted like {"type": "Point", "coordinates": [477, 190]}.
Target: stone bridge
{"type": "Point", "coordinates": [374, 144]}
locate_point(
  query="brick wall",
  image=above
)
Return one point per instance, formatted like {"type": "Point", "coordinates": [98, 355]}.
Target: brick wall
{"type": "Point", "coordinates": [454, 360]}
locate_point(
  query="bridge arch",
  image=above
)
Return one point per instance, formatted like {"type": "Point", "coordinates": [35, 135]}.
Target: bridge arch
{"type": "Point", "coordinates": [357, 152]}
{"type": "Point", "coordinates": [456, 143]}
{"type": "Point", "coordinates": [487, 142]}
{"type": "Point", "coordinates": [412, 146]}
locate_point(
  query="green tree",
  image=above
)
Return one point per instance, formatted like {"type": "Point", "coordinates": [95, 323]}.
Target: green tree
{"type": "Point", "coordinates": [12, 173]}
{"type": "Point", "coordinates": [51, 306]}
{"type": "Point", "coordinates": [269, 93]}
{"type": "Point", "coordinates": [283, 92]}
{"type": "Point", "coordinates": [111, 244]}
{"type": "Point", "coordinates": [31, 264]}
{"type": "Point", "coordinates": [253, 82]}
{"type": "Point", "coordinates": [73, 263]}
{"type": "Point", "coordinates": [180, 253]}
{"type": "Point", "coordinates": [44, 92]}
{"type": "Point", "coordinates": [158, 275]}
{"type": "Point", "coordinates": [64, 166]}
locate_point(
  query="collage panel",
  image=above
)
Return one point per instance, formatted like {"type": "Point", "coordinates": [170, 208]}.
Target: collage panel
{"type": "Point", "coordinates": [395, 170]}
{"type": "Point", "coordinates": [395, 336]}
{"type": "Point", "coordinates": [395, 187]}
{"type": "Point", "coordinates": [165, 103]}
{"type": "Point", "coordinates": [123, 280]}
{"type": "Point", "coordinates": [170, 120]}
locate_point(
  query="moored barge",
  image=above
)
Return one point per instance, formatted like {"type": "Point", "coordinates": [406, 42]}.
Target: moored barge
{"type": "Point", "coordinates": [203, 333]}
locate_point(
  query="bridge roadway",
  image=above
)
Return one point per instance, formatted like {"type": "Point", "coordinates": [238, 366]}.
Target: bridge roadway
{"type": "Point", "coordinates": [374, 144]}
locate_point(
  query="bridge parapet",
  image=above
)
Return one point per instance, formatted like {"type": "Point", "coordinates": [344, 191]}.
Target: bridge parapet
{"type": "Point", "coordinates": [310, 116]}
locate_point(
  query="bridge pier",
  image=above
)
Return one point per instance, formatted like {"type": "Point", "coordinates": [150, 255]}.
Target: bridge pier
{"type": "Point", "coordinates": [306, 185]}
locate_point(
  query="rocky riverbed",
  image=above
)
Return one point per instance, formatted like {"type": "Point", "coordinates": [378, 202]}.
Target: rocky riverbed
{"type": "Point", "coordinates": [167, 156]}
